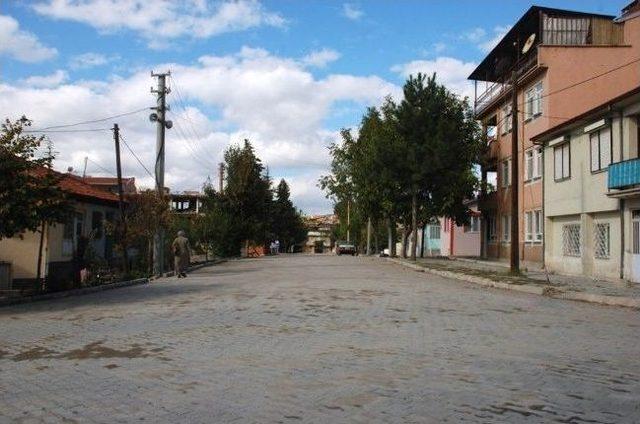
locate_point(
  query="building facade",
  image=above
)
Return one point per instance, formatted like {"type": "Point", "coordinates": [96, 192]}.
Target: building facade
{"type": "Point", "coordinates": [592, 194]}
{"type": "Point", "coordinates": [563, 63]}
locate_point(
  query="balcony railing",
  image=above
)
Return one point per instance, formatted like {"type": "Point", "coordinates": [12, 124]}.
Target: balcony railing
{"type": "Point", "coordinates": [493, 90]}
{"type": "Point", "coordinates": [624, 174]}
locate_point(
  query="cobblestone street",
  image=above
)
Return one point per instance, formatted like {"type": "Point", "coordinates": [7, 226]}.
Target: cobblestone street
{"type": "Point", "coordinates": [317, 339]}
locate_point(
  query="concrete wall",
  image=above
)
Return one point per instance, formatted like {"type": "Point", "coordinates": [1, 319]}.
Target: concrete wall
{"type": "Point", "coordinates": [559, 68]}
{"type": "Point", "coordinates": [22, 253]}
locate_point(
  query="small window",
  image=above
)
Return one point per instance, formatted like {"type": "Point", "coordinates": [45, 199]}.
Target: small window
{"type": "Point", "coordinates": [506, 173]}
{"type": "Point", "coordinates": [505, 120]}
{"type": "Point", "coordinates": [538, 225]}
{"type": "Point", "coordinates": [562, 162]}
{"type": "Point", "coordinates": [601, 152]}
{"type": "Point", "coordinates": [506, 228]}
{"type": "Point", "coordinates": [96, 225]}
{"type": "Point", "coordinates": [533, 102]}
{"type": "Point", "coordinates": [475, 224]}
{"type": "Point", "coordinates": [533, 226]}
{"type": "Point", "coordinates": [635, 221]}
{"type": "Point", "coordinates": [571, 240]}
{"type": "Point", "coordinates": [601, 241]}
{"type": "Point", "coordinates": [492, 229]}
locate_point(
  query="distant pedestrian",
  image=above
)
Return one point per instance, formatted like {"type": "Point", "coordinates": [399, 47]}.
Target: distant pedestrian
{"type": "Point", "coordinates": [181, 254]}
{"type": "Point", "coordinates": [277, 243]}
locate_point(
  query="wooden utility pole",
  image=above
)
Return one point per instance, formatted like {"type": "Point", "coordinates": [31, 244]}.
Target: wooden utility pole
{"type": "Point", "coordinates": [123, 221]}
{"type": "Point", "coordinates": [348, 220]}
{"type": "Point", "coordinates": [515, 235]}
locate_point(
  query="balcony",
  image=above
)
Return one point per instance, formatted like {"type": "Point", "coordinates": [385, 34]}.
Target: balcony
{"type": "Point", "coordinates": [624, 175]}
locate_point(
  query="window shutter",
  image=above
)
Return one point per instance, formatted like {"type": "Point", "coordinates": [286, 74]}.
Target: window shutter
{"type": "Point", "coordinates": [566, 161]}
{"type": "Point", "coordinates": [557, 162]}
{"type": "Point", "coordinates": [605, 148]}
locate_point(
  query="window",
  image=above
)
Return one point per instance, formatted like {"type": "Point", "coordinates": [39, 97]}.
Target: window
{"type": "Point", "coordinates": [505, 120]}
{"type": "Point", "coordinates": [506, 173]}
{"type": "Point", "coordinates": [491, 229]}
{"type": "Point", "coordinates": [474, 225]}
{"type": "Point", "coordinates": [600, 149]}
{"type": "Point", "coordinates": [533, 226]}
{"type": "Point", "coordinates": [506, 228]}
{"type": "Point", "coordinates": [96, 225]}
{"type": "Point", "coordinates": [533, 101]}
{"type": "Point", "coordinates": [533, 164]}
{"type": "Point", "coordinates": [562, 162]}
{"type": "Point", "coordinates": [571, 240]}
{"type": "Point", "coordinates": [601, 241]}
{"type": "Point", "coordinates": [635, 221]}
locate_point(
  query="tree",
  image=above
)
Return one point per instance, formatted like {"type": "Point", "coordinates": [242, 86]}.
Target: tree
{"type": "Point", "coordinates": [30, 196]}
{"type": "Point", "coordinates": [287, 223]}
{"type": "Point", "coordinates": [442, 145]}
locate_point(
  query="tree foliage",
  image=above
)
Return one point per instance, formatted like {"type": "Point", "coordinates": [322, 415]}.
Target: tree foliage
{"type": "Point", "coordinates": [29, 190]}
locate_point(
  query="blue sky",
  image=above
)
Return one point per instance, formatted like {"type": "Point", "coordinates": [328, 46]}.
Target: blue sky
{"type": "Point", "coordinates": [286, 74]}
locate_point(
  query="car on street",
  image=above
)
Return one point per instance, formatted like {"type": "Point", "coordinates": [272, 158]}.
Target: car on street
{"type": "Point", "coordinates": [345, 248]}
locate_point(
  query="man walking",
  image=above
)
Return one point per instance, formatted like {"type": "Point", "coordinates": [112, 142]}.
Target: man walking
{"type": "Point", "coordinates": [181, 254]}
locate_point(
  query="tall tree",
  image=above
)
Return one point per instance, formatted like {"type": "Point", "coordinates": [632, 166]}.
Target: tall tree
{"type": "Point", "coordinates": [288, 226]}
{"type": "Point", "coordinates": [442, 144]}
{"type": "Point", "coordinates": [30, 196]}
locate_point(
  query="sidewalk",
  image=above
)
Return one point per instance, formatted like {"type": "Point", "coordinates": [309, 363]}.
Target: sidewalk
{"type": "Point", "coordinates": [613, 293]}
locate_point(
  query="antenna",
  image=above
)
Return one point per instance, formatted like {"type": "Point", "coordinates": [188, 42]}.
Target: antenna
{"type": "Point", "coordinates": [529, 43]}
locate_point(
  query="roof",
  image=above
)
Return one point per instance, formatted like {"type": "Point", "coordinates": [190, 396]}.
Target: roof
{"type": "Point", "coordinates": [602, 108]}
{"type": "Point", "coordinates": [128, 183]}
{"type": "Point", "coordinates": [76, 187]}
{"type": "Point", "coordinates": [503, 55]}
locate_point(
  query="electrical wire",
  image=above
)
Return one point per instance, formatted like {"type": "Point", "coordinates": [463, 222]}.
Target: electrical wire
{"type": "Point", "coordinates": [101, 167]}
{"type": "Point", "coordinates": [136, 156]}
{"type": "Point", "coordinates": [90, 121]}
{"type": "Point", "coordinates": [43, 131]}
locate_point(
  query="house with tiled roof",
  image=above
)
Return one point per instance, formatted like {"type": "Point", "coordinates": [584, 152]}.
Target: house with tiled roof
{"type": "Point", "coordinates": [64, 245]}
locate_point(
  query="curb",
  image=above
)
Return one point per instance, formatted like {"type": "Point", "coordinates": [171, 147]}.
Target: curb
{"type": "Point", "coordinates": [547, 291]}
{"type": "Point", "coordinates": [74, 292]}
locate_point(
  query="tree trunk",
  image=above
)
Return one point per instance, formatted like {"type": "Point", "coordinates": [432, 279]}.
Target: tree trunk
{"type": "Point", "coordinates": [424, 228]}
{"type": "Point", "coordinates": [391, 238]}
{"type": "Point", "coordinates": [375, 243]}
{"type": "Point", "coordinates": [405, 239]}
{"type": "Point", "coordinates": [368, 236]}
{"type": "Point", "coordinates": [414, 225]}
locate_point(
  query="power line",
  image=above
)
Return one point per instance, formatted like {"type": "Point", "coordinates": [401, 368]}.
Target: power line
{"type": "Point", "coordinates": [43, 131]}
{"type": "Point", "coordinates": [101, 167]}
{"type": "Point", "coordinates": [91, 121]}
{"type": "Point", "coordinates": [136, 156]}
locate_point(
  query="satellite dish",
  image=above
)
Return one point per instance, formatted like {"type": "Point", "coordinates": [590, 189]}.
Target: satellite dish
{"type": "Point", "coordinates": [529, 43]}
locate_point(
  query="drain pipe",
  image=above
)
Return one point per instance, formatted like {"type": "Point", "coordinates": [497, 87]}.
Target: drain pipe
{"type": "Point", "coordinates": [622, 229]}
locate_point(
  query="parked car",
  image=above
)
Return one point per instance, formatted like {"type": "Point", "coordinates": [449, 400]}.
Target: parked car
{"type": "Point", "coordinates": [346, 248]}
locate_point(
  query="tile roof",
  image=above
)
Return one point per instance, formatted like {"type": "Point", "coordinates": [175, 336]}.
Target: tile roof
{"type": "Point", "coordinates": [75, 186]}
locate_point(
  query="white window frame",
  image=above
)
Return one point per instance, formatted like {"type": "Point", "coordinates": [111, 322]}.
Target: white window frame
{"type": "Point", "coordinates": [565, 162]}
{"type": "Point", "coordinates": [506, 228]}
{"type": "Point", "coordinates": [533, 226]}
{"type": "Point", "coordinates": [533, 101]}
{"type": "Point", "coordinates": [598, 162]}
{"type": "Point", "coordinates": [505, 177]}
{"type": "Point", "coordinates": [505, 124]}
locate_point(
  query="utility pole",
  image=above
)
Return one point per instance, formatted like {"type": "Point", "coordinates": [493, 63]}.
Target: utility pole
{"type": "Point", "coordinates": [123, 222]}
{"type": "Point", "coordinates": [161, 124]}
{"type": "Point", "coordinates": [515, 180]}
{"type": "Point", "coordinates": [84, 171]}
{"type": "Point", "coordinates": [221, 178]}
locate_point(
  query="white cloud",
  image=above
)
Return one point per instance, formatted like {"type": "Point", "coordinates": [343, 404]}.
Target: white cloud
{"type": "Point", "coordinates": [475, 35]}
{"type": "Point", "coordinates": [320, 58]}
{"type": "Point", "coordinates": [450, 72]}
{"type": "Point", "coordinates": [160, 21]}
{"type": "Point", "coordinates": [351, 11]}
{"type": "Point", "coordinates": [88, 60]}
{"type": "Point", "coordinates": [274, 101]}
{"type": "Point", "coordinates": [498, 33]}
{"type": "Point", "coordinates": [21, 45]}
{"type": "Point", "coordinates": [46, 81]}
{"type": "Point", "coordinates": [439, 47]}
